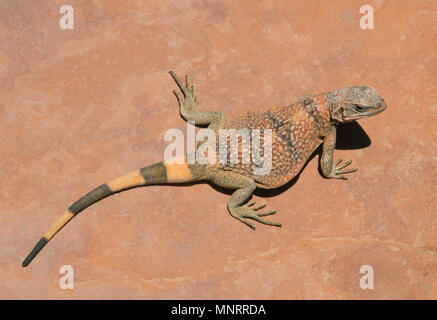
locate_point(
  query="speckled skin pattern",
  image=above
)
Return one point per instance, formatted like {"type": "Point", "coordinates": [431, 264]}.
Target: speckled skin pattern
{"type": "Point", "coordinates": [297, 130]}
{"type": "Point", "coordinates": [295, 135]}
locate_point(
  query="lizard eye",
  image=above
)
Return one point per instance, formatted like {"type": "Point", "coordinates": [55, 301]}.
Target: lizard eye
{"type": "Point", "coordinates": [359, 108]}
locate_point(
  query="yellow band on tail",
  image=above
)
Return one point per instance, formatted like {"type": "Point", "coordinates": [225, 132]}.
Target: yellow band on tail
{"type": "Point", "coordinates": [130, 180]}
{"type": "Point", "coordinates": [178, 170]}
{"type": "Point", "coordinates": [58, 224]}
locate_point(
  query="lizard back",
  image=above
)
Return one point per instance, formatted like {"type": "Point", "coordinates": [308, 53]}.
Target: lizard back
{"type": "Point", "coordinates": [295, 136]}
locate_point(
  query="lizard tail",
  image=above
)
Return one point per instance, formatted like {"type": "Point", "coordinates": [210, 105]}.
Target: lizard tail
{"type": "Point", "coordinates": [159, 173]}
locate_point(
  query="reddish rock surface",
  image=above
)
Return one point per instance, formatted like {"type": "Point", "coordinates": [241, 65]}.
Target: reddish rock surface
{"type": "Point", "coordinates": [79, 107]}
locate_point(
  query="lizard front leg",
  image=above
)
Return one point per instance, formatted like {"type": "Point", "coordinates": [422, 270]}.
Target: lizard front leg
{"type": "Point", "coordinates": [245, 187]}
{"type": "Point", "coordinates": [329, 169]}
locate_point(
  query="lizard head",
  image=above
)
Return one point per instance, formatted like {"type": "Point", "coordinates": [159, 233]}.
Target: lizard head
{"type": "Point", "coordinates": [353, 103]}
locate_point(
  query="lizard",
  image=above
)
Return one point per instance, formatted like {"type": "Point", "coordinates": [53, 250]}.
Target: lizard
{"type": "Point", "coordinates": [297, 131]}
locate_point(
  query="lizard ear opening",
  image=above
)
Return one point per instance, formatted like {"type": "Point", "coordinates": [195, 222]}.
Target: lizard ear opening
{"type": "Point", "coordinates": [307, 99]}
{"type": "Point", "coordinates": [337, 113]}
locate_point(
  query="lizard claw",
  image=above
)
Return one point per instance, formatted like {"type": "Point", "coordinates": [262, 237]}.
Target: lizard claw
{"type": "Point", "coordinates": [338, 172]}
{"type": "Point", "coordinates": [248, 211]}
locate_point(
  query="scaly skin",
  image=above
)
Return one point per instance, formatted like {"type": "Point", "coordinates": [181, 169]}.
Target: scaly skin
{"type": "Point", "coordinates": [297, 130]}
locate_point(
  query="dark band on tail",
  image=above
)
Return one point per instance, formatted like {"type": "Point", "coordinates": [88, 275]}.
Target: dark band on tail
{"type": "Point", "coordinates": [154, 174]}
{"type": "Point", "coordinates": [97, 194]}
{"type": "Point", "coordinates": [41, 243]}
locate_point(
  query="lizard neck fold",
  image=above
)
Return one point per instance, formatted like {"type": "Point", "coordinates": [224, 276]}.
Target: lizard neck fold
{"type": "Point", "coordinates": [333, 103]}
{"type": "Point", "coordinates": [320, 106]}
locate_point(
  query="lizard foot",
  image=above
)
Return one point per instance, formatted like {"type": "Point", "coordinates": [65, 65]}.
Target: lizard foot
{"type": "Point", "coordinates": [189, 101]}
{"type": "Point", "coordinates": [338, 172]}
{"type": "Point", "coordinates": [249, 211]}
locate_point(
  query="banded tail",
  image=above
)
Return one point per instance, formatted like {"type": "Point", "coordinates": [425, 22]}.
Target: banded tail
{"type": "Point", "coordinates": [159, 173]}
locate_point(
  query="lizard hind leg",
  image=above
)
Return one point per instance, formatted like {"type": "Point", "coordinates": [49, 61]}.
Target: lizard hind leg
{"type": "Point", "coordinates": [187, 105]}
{"type": "Point", "coordinates": [236, 205]}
